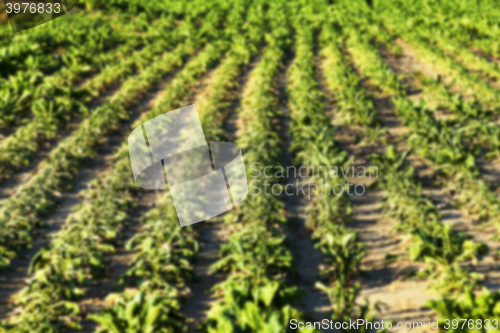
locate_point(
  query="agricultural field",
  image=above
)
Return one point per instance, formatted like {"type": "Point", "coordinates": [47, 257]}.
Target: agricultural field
{"type": "Point", "coordinates": [370, 134]}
